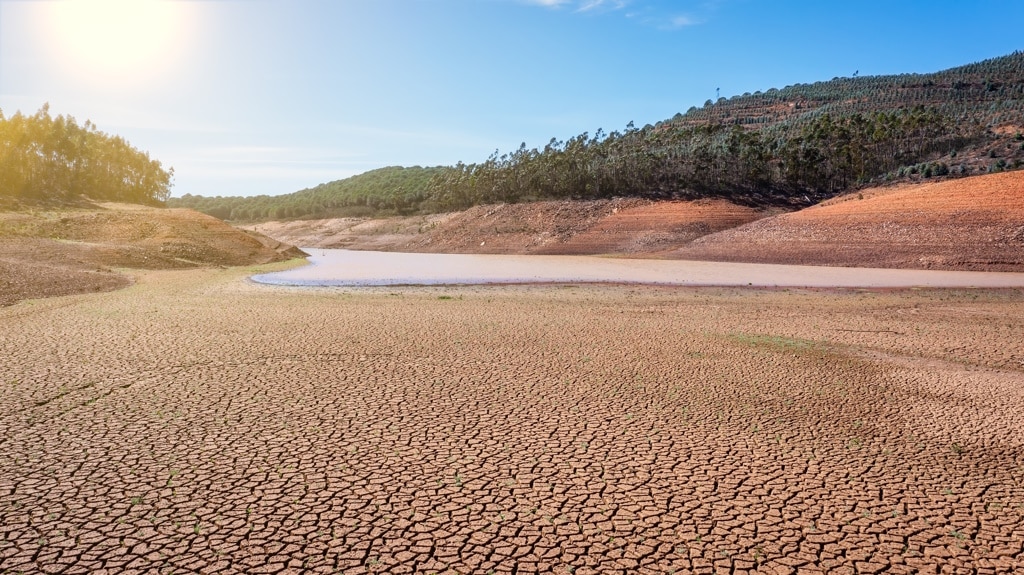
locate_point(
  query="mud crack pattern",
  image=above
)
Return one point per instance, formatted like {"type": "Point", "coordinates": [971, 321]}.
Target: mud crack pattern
{"type": "Point", "coordinates": [195, 424]}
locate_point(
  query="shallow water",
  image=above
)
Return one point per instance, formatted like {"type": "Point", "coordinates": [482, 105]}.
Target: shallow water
{"type": "Point", "coordinates": [366, 268]}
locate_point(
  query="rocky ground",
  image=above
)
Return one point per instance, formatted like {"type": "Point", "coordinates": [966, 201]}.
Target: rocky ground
{"type": "Point", "coordinates": [198, 423]}
{"type": "Point", "coordinates": [54, 252]}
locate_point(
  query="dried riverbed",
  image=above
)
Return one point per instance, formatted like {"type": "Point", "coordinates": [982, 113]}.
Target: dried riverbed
{"type": "Point", "coordinates": [198, 422]}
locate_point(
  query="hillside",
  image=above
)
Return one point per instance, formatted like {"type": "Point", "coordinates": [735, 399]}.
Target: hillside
{"type": "Point", "coordinates": [783, 148]}
{"type": "Point", "coordinates": [988, 92]}
{"type": "Point", "coordinates": [76, 250]}
{"type": "Point", "coordinates": [967, 224]}
{"type": "Point", "coordinates": [972, 223]}
{"type": "Point", "coordinates": [385, 191]}
{"type": "Point", "coordinates": [622, 226]}
{"type": "Point", "coordinates": [786, 148]}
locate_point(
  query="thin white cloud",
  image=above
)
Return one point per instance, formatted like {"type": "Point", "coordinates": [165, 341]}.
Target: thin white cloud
{"type": "Point", "coordinates": [680, 21]}
{"type": "Point", "coordinates": [604, 5]}
{"type": "Point", "coordinates": [548, 3]}
{"type": "Point", "coordinates": [582, 5]}
{"type": "Point", "coordinates": [643, 12]}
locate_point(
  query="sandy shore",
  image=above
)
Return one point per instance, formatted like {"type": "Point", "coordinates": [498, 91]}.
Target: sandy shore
{"type": "Point", "coordinates": [199, 422]}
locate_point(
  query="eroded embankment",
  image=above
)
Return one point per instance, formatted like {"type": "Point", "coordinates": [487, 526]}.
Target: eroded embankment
{"type": "Point", "coordinates": [197, 422]}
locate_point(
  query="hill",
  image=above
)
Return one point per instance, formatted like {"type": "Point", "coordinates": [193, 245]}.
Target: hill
{"type": "Point", "coordinates": [988, 93]}
{"type": "Point", "coordinates": [385, 191]}
{"type": "Point", "coordinates": [790, 147]}
{"type": "Point", "coordinates": [76, 250]}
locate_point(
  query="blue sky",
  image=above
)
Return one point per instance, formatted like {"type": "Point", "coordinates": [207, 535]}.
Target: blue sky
{"type": "Point", "coordinates": [253, 97]}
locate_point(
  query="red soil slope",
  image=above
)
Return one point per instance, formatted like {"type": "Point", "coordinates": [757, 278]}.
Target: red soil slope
{"type": "Point", "coordinates": [968, 224]}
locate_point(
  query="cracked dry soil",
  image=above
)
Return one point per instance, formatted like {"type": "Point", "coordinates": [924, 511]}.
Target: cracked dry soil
{"type": "Point", "coordinates": [196, 423]}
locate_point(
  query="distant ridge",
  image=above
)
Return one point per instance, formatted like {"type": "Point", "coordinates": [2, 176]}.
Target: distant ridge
{"type": "Point", "coordinates": [377, 192]}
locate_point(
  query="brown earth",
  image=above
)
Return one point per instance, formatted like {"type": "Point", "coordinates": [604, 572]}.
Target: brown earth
{"type": "Point", "coordinates": [965, 224]}
{"type": "Point", "coordinates": [619, 226]}
{"type": "Point", "coordinates": [74, 250]}
{"type": "Point", "coordinates": [196, 422]}
{"type": "Point", "coordinates": [351, 233]}
{"type": "Point", "coordinates": [972, 223]}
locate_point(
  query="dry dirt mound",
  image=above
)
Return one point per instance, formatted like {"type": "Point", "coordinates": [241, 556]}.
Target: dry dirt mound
{"type": "Point", "coordinates": [60, 252]}
{"type": "Point", "coordinates": [967, 224]}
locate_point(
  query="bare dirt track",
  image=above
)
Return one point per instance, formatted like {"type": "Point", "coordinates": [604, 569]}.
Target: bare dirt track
{"type": "Point", "coordinates": [196, 422]}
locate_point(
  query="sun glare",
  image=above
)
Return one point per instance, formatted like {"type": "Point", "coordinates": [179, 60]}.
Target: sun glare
{"type": "Point", "coordinates": [116, 40]}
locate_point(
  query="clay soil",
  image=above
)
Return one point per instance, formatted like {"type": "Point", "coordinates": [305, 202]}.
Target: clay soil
{"type": "Point", "coordinates": [46, 253]}
{"type": "Point", "coordinates": [965, 224]}
{"type": "Point", "coordinates": [197, 422]}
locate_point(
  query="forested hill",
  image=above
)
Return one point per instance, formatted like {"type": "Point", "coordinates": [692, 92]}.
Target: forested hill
{"type": "Point", "coordinates": [784, 147]}
{"type": "Point", "coordinates": [988, 92]}
{"type": "Point", "coordinates": [388, 190]}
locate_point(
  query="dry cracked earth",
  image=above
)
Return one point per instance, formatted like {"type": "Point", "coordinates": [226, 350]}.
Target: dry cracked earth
{"type": "Point", "coordinates": [196, 423]}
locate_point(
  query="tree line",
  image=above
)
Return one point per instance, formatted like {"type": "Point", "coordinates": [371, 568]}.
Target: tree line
{"type": "Point", "coordinates": [56, 160]}
{"type": "Point", "coordinates": [827, 155]}
{"type": "Point", "coordinates": [392, 190]}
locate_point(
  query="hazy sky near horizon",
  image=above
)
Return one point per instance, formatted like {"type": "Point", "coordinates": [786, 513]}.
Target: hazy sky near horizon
{"type": "Point", "coordinates": [246, 97]}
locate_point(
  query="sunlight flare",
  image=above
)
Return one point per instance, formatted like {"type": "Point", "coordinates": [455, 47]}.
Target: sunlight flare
{"type": "Point", "coordinates": [122, 40]}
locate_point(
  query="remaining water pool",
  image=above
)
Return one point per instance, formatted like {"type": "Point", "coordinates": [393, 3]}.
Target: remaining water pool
{"type": "Point", "coordinates": [364, 268]}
